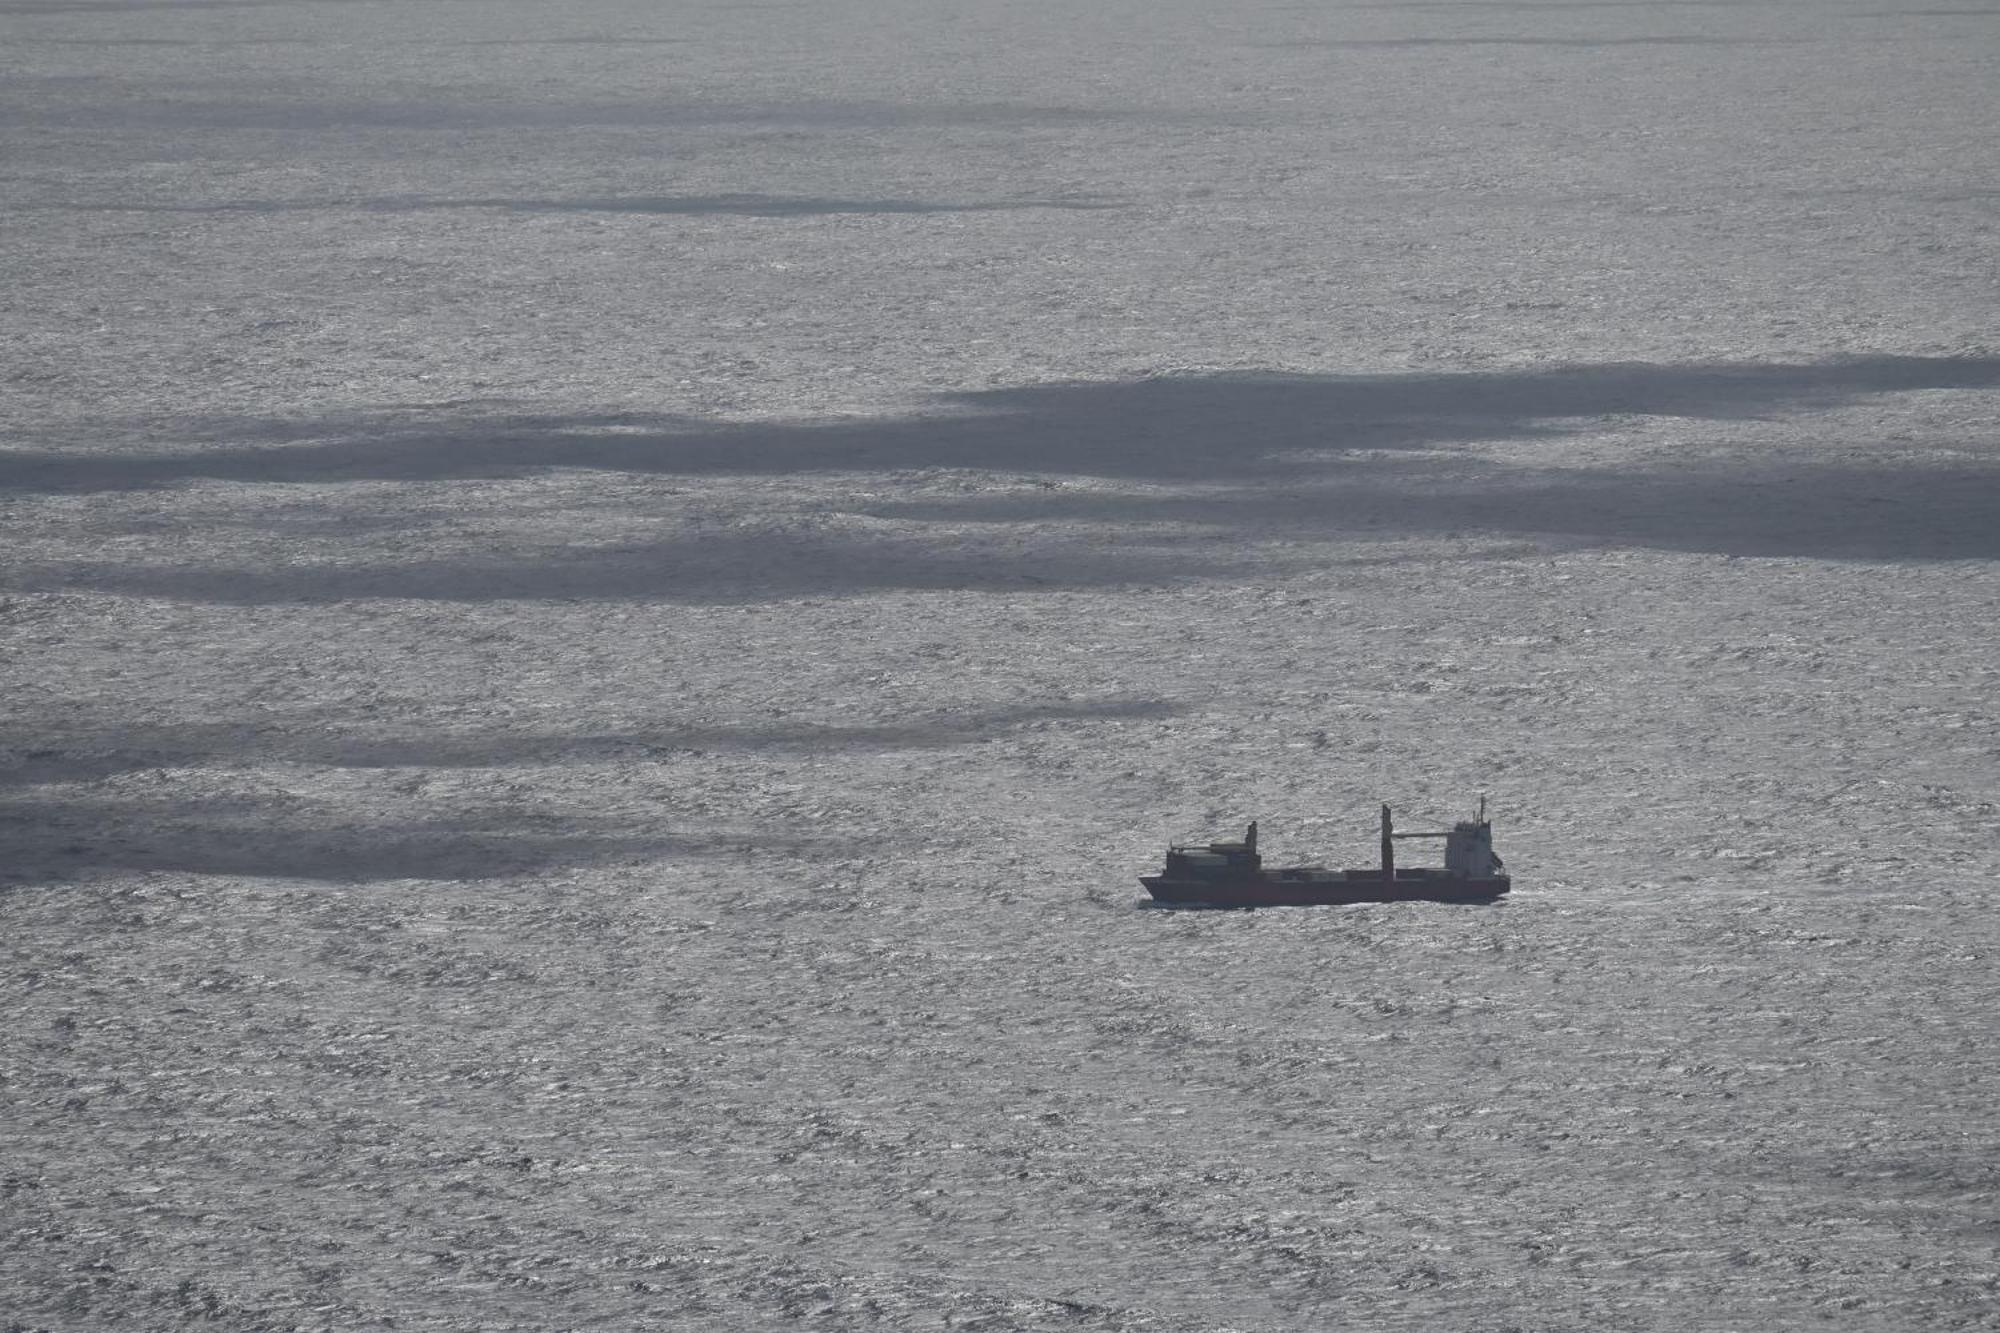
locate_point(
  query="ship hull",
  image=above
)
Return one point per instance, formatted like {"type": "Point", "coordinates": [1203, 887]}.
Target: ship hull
{"type": "Point", "coordinates": [1280, 888]}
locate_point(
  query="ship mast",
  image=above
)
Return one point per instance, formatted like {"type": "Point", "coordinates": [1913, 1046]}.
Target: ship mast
{"type": "Point", "coordinates": [1389, 836]}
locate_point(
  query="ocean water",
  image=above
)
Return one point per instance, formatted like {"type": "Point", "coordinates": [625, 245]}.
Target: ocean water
{"type": "Point", "coordinates": [602, 610]}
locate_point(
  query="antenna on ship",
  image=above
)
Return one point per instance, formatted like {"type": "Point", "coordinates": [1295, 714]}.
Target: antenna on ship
{"type": "Point", "coordinates": [1482, 807]}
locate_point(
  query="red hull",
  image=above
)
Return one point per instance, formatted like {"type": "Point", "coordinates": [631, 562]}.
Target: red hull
{"type": "Point", "coordinates": [1280, 888]}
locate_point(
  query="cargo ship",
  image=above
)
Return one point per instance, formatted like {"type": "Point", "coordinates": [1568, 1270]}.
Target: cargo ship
{"type": "Point", "coordinates": [1232, 874]}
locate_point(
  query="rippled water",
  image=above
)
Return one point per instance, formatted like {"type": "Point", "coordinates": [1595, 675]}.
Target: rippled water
{"type": "Point", "coordinates": [602, 610]}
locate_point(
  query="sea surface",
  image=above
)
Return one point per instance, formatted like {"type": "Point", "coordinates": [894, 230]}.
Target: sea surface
{"type": "Point", "coordinates": [603, 604]}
